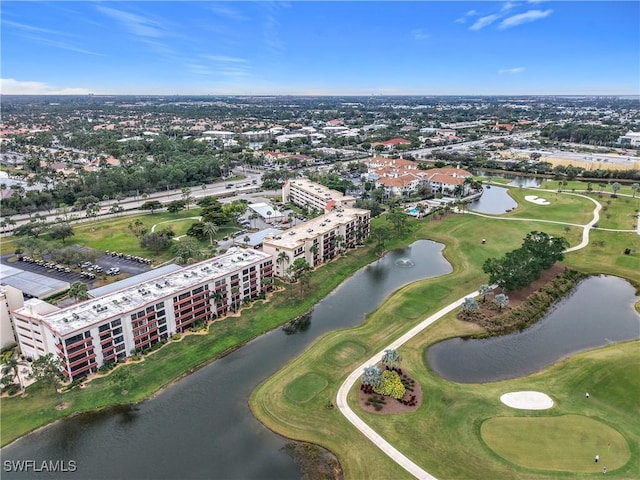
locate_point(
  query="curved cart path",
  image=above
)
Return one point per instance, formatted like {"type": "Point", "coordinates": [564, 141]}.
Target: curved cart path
{"type": "Point", "coordinates": [343, 391]}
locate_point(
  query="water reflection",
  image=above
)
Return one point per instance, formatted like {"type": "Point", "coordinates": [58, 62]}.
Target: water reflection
{"type": "Point", "coordinates": [201, 427]}
{"type": "Point", "coordinates": [582, 321]}
{"type": "Point", "coordinates": [494, 200]}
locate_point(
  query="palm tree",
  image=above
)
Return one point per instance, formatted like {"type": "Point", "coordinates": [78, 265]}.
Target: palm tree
{"type": "Point", "coordinates": [501, 300]}
{"type": "Point", "coordinates": [78, 290]}
{"type": "Point", "coordinates": [635, 187]}
{"type": "Point", "coordinates": [292, 218]}
{"type": "Point", "coordinates": [210, 229]}
{"type": "Point", "coordinates": [421, 209]}
{"type": "Point", "coordinates": [371, 376]}
{"type": "Point", "coordinates": [615, 187]}
{"type": "Point", "coordinates": [485, 290]}
{"type": "Point", "coordinates": [470, 305]}
{"type": "Point", "coordinates": [10, 369]}
{"type": "Point", "coordinates": [281, 258]}
{"type": "Point", "coordinates": [314, 251]}
{"type": "Point", "coordinates": [269, 213]}
{"type": "Point", "coordinates": [235, 296]}
{"type": "Point", "coordinates": [391, 358]}
{"type": "Point", "coordinates": [252, 217]}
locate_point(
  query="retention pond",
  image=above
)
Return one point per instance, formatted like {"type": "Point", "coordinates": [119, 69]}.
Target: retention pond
{"type": "Point", "coordinates": [201, 427]}
{"type": "Point", "coordinates": [599, 312]}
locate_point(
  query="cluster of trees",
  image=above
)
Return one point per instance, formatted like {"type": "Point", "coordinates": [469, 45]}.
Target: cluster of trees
{"type": "Point", "coordinates": [520, 267]}
{"type": "Point", "coordinates": [130, 179]}
{"type": "Point", "coordinates": [581, 133]}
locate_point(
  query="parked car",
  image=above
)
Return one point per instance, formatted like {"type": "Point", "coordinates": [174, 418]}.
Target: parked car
{"type": "Point", "coordinates": [113, 271]}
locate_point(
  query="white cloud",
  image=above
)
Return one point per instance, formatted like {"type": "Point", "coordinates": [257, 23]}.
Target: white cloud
{"type": "Point", "coordinates": [11, 86]}
{"type": "Point", "coordinates": [463, 19]}
{"type": "Point", "coordinates": [136, 24]}
{"type": "Point", "coordinates": [519, 19]}
{"type": "Point", "coordinates": [511, 71]}
{"type": "Point", "coordinates": [61, 45]}
{"type": "Point", "coordinates": [419, 34]}
{"type": "Point", "coordinates": [225, 59]}
{"type": "Point", "coordinates": [31, 28]}
{"type": "Point", "coordinates": [507, 6]}
{"type": "Point", "coordinates": [484, 22]}
{"type": "Point", "coordinates": [220, 66]}
{"type": "Point", "coordinates": [226, 11]}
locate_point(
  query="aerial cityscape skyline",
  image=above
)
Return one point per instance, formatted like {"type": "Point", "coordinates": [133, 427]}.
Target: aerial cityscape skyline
{"type": "Point", "coordinates": [321, 48]}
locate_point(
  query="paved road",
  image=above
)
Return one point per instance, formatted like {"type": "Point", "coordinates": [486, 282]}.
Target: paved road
{"type": "Point", "coordinates": [343, 392]}
{"type": "Point", "coordinates": [239, 187]}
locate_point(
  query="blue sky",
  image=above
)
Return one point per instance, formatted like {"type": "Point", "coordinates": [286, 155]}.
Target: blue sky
{"type": "Point", "coordinates": [299, 47]}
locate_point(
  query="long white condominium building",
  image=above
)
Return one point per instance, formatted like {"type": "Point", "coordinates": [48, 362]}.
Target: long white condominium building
{"type": "Point", "coordinates": [320, 239]}
{"type": "Point", "coordinates": [313, 196]}
{"type": "Point", "coordinates": [111, 327]}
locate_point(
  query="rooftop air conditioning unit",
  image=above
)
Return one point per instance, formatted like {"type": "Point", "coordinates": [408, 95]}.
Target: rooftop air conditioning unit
{"type": "Point", "coordinates": [76, 316]}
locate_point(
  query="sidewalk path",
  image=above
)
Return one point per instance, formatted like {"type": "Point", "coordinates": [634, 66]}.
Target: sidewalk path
{"type": "Point", "coordinates": [343, 391]}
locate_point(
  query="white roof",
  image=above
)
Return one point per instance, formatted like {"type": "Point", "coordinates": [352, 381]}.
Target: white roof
{"type": "Point", "coordinates": [82, 315]}
{"type": "Point", "coordinates": [262, 209]}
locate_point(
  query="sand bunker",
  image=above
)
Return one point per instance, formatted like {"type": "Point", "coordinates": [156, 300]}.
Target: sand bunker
{"type": "Point", "coordinates": [527, 400]}
{"type": "Point", "coordinates": [537, 200]}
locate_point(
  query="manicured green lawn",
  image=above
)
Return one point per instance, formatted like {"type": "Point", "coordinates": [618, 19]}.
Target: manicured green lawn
{"type": "Point", "coordinates": [565, 443]}
{"type": "Point", "coordinates": [305, 387]}
{"type": "Point", "coordinates": [443, 435]}
{"type": "Point", "coordinates": [618, 213]}
{"type": "Point", "coordinates": [563, 207]}
{"type": "Point", "coordinates": [21, 415]}
{"type": "Point", "coordinates": [603, 186]}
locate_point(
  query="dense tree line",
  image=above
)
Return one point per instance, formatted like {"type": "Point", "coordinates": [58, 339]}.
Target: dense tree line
{"type": "Point", "coordinates": [112, 182]}
{"type": "Point", "coordinates": [521, 267]}
{"type": "Point", "coordinates": [580, 133]}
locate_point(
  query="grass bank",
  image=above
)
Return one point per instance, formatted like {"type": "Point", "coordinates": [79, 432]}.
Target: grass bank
{"type": "Point", "coordinates": [20, 415]}
{"type": "Point", "coordinates": [443, 435]}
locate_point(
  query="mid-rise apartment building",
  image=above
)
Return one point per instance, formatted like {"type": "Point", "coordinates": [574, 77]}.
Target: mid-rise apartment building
{"type": "Point", "coordinates": [320, 239]}
{"type": "Point", "coordinates": [113, 326]}
{"type": "Point", "coordinates": [313, 196]}
{"type": "Point", "coordinates": [10, 299]}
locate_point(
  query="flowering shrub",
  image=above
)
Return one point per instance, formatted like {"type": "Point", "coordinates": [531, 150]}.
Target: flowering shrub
{"type": "Point", "coordinates": [391, 385]}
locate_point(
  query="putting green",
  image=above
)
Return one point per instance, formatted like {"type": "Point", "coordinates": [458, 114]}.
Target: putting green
{"type": "Point", "coordinates": [345, 353]}
{"type": "Point", "coordinates": [305, 387]}
{"type": "Point", "coordinates": [568, 443]}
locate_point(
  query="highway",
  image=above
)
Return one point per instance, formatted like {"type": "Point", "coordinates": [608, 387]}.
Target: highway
{"type": "Point", "coordinates": [132, 204]}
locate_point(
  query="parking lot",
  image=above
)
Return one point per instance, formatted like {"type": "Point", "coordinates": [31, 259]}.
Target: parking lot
{"type": "Point", "coordinates": [127, 268]}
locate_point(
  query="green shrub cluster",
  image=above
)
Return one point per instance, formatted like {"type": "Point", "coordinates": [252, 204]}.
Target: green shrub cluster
{"type": "Point", "coordinates": [391, 385]}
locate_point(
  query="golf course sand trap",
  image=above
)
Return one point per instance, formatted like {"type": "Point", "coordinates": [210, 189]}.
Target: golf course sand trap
{"type": "Point", "coordinates": [537, 200]}
{"type": "Point", "coordinates": [527, 400]}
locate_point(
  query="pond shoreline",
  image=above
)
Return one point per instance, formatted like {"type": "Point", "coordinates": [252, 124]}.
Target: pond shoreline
{"type": "Point", "coordinates": [536, 301]}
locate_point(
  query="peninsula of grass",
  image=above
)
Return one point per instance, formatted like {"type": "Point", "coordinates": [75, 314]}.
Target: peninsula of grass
{"type": "Point", "coordinates": [562, 207]}
{"type": "Point", "coordinates": [443, 435]}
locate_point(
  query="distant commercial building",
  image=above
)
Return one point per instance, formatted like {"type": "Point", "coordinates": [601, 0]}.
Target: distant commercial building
{"type": "Point", "coordinates": [631, 138]}
{"type": "Point", "coordinates": [111, 327]}
{"type": "Point", "coordinates": [10, 299]}
{"type": "Point", "coordinates": [313, 196]}
{"type": "Point", "coordinates": [320, 239]}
